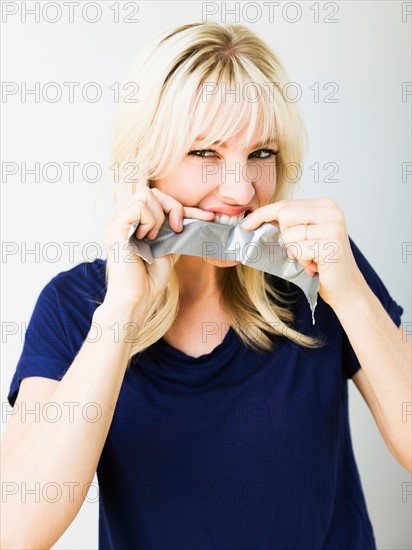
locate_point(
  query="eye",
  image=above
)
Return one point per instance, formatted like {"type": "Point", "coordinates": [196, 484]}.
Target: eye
{"type": "Point", "coordinates": [200, 153]}
{"type": "Point", "coordinates": [270, 153]}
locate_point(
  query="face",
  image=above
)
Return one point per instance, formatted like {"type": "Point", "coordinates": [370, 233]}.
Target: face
{"type": "Point", "coordinates": [224, 179]}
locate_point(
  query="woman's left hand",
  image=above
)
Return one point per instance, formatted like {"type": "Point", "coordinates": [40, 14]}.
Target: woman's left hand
{"type": "Point", "coordinates": [325, 249]}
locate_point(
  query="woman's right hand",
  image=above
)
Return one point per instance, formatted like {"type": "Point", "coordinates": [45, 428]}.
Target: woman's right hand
{"type": "Point", "coordinates": [131, 281]}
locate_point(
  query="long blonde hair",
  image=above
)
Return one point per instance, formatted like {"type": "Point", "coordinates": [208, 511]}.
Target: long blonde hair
{"type": "Point", "coordinates": [154, 134]}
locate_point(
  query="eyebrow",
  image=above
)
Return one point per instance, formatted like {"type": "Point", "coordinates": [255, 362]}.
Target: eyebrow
{"type": "Point", "coordinates": [258, 145]}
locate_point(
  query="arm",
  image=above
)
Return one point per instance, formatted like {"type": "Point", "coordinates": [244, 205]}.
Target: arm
{"type": "Point", "coordinates": [66, 452]}
{"type": "Point", "coordinates": [385, 354]}
{"type": "Point", "coordinates": [317, 230]}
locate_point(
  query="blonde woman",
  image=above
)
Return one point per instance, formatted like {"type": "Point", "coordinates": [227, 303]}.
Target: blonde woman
{"type": "Point", "coordinates": [215, 412]}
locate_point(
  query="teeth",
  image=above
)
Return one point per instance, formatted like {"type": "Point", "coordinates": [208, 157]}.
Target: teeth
{"type": "Point", "coordinates": [232, 220]}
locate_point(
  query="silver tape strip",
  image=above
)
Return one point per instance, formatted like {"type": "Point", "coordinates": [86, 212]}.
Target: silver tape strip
{"type": "Point", "coordinates": [261, 249]}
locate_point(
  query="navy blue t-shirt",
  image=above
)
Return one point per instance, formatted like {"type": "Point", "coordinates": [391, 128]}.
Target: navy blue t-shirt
{"type": "Point", "coordinates": [232, 450]}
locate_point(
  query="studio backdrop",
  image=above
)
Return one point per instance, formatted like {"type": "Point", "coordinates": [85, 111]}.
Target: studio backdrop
{"type": "Point", "coordinates": [349, 65]}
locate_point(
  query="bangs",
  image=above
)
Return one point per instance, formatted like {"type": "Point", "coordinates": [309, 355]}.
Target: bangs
{"type": "Point", "coordinates": [222, 110]}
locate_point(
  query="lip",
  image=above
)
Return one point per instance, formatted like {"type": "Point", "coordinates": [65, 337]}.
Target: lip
{"type": "Point", "coordinates": [228, 211]}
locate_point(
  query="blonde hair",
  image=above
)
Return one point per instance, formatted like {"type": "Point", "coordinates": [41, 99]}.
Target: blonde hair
{"type": "Point", "coordinates": [155, 133]}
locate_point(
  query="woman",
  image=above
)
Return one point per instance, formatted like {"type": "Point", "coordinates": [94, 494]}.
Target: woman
{"type": "Point", "coordinates": [207, 434]}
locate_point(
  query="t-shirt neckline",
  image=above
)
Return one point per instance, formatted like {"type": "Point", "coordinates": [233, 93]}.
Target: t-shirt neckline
{"type": "Point", "coordinates": [228, 345]}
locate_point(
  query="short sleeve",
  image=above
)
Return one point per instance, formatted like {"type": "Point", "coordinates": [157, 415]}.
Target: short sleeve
{"type": "Point", "coordinates": [46, 350]}
{"type": "Point", "coordinates": [395, 311]}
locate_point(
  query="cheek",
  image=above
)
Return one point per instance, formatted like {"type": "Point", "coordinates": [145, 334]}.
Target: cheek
{"type": "Point", "coordinates": [265, 184]}
{"type": "Point", "coordinates": [185, 185]}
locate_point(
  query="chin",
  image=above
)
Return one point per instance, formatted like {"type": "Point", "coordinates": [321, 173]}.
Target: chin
{"type": "Point", "coordinates": [222, 263]}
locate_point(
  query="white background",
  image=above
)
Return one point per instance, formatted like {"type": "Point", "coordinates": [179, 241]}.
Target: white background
{"type": "Point", "coordinates": [367, 133]}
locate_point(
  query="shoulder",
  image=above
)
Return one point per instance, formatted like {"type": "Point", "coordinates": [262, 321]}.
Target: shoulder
{"type": "Point", "coordinates": [87, 279]}
{"type": "Point", "coordinates": [376, 284]}
{"type": "Point", "coordinates": [67, 303]}
{"type": "Point", "coordinates": [73, 293]}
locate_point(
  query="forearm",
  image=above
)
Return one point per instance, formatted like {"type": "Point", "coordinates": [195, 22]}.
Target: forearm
{"type": "Point", "coordinates": [66, 453]}
{"type": "Point", "coordinates": [385, 357]}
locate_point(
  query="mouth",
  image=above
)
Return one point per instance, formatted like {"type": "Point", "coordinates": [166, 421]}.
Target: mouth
{"type": "Point", "coordinates": [230, 220]}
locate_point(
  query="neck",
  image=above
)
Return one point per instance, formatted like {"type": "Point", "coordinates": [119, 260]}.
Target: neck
{"type": "Point", "coordinates": [198, 279]}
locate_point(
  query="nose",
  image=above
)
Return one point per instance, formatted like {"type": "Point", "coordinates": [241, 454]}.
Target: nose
{"type": "Point", "coordinates": [235, 187]}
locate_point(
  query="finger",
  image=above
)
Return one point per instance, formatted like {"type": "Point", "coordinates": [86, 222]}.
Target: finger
{"type": "Point", "coordinates": [295, 252]}
{"type": "Point", "coordinates": [301, 233]}
{"type": "Point", "coordinates": [197, 213]}
{"type": "Point", "coordinates": [156, 207]}
{"type": "Point", "coordinates": [177, 211]}
{"type": "Point", "coordinates": [172, 208]}
{"type": "Point", "coordinates": [318, 252]}
{"type": "Point", "coordinates": [144, 195]}
{"type": "Point", "coordinates": [311, 270]}
{"type": "Point", "coordinates": [289, 216]}
{"type": "Point", "coordinates": [290, 213]}
{"type": "Point", "coordinates": [160, 203]}
{"type": "Point", "coordinates": [119, 227]}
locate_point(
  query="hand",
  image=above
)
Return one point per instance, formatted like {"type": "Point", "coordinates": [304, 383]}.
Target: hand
{"type": "Point", "coordinates": [326, 249]}
{"type": "Point", "coordinates": [131, 281]}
